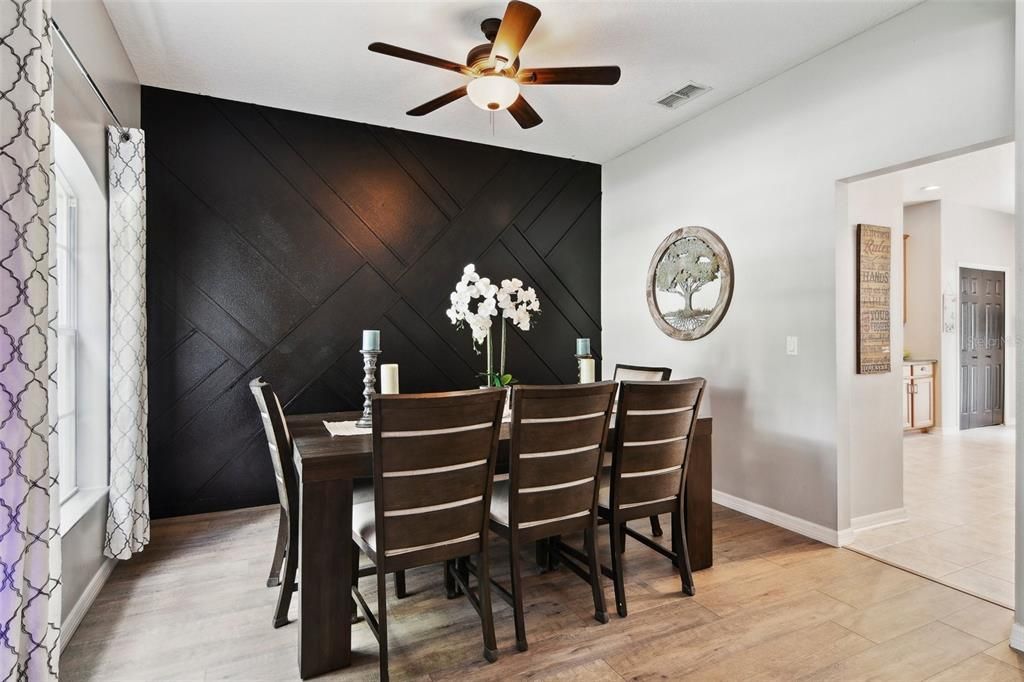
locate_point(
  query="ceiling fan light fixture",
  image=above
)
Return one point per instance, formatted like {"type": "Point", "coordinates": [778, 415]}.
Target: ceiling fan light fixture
{"type": "Point", "coordinates": [493, 92]}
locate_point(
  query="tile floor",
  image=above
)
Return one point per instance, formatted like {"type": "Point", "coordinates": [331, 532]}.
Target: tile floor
{"type": "Point", "coordinates": [958, 492]}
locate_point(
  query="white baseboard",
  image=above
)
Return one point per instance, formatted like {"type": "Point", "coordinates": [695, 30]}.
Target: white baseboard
{"type": "Point", "coordinates": [775, 517]}
{"type": "Point", "coordinates": [879, 519]}
{"type": "Point", "coordinates": [1017, 637]}
{"type": "Point", "coordinates": [78, 611]}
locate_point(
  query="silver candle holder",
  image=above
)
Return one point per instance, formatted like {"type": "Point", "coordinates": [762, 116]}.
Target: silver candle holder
{"type": "Point", "coordinates": [369, 386]}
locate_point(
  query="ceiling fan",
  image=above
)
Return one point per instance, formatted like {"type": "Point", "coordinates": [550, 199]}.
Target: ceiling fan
{"type": "Point", "coordinates": [494, 70]}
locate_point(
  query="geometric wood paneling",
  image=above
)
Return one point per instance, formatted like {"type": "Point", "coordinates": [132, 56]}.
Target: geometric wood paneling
{"type": "Point", "coordinates": [275, 237]}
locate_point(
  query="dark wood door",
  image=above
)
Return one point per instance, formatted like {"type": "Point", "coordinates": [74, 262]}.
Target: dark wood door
{"type": "Point", "coordinates": [982, 334]}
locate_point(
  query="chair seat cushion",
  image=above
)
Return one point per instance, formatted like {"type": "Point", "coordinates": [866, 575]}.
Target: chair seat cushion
{"type": "Point", "coordinates": [499, 502]}
{"type": "Point", "coordinates": [363, 524]}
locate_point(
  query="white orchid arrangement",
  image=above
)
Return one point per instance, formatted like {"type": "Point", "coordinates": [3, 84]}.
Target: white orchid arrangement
{"type": "Point", "coordinates": [476, 300]}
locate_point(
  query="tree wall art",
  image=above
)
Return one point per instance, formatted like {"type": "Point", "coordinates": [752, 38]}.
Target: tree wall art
{"type": "Point", "coordinates": [689, 283]}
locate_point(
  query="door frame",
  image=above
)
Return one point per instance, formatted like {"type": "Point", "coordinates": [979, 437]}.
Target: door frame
{"type": "Point", "coordinates": [955, 427]}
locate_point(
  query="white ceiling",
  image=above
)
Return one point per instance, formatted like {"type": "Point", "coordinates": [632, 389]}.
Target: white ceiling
{"type": "Point", "coordinates": [311, 56]}
{"type": "Point", "coordinates": [983, 178]}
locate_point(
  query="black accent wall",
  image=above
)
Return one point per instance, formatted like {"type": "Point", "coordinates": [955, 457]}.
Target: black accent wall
{"type": "Point", "coordinates": [275, 237]}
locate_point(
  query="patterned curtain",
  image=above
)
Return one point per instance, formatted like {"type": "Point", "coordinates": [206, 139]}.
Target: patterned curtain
{"type": "Point", "coordinates": [29, 508]}
{"type": "Point", "coordinates": [128, 512]}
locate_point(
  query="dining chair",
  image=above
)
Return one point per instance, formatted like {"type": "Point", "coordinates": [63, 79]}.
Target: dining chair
{"type": "Point", "coordinates": [641, 373]}
{"type": "Point", "coordinates": [433, 469]}
{"type": "Point", "coordinates": [279, 441]}
{"type": "Point", "coordinates": [556, 448]}
{"type": "Point", "coordinates": [654, 429]}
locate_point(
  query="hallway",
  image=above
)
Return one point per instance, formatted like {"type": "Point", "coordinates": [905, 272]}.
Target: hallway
{"type": "Point", "coordinates": [958, 493]}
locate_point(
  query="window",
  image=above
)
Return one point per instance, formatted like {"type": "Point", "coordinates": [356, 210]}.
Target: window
{"type": "Point", "coordinates": [67, 335]}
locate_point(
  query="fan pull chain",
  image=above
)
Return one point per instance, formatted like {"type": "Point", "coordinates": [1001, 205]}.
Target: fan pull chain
{"type": "Point", "coordinates": [491, 113]}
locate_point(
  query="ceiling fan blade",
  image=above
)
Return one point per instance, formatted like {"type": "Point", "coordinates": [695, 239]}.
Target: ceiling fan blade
{"type": "Point", "coordinates": [571, 75]}
{"type": "Point", "coordinates": [524, 114]}
{"type": "Point", "coordinates": [438, 102]}
{"type": "Point", "coordinates": [516, 25]}
{"type": "Point", "coordinates": [419, 57]}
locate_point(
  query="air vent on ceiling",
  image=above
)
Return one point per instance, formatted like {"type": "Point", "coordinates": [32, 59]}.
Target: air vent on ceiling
{"type": "Point", "coordinates": [687, 93]}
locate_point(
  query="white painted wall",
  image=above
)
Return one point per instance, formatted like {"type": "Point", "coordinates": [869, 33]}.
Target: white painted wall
{"type": "Point", "coordinates": [761, 170]}
{"type": "Point", "coordinates": [975, 237]}
{"type": "Point", "coordinates": [1017, 630]}
{"type": "Point", "coordinates": [875, 467]}
{"type": "Point", "coordinates": [81, 116]}
{"type": "Point", "coordinates": [922, 334]}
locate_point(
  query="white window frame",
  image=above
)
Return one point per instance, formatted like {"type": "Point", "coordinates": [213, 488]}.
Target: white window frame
{"type": "Point", "coordinates": [67, 335]}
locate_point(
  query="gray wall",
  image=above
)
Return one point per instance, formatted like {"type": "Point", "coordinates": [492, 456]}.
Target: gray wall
{"type": "Point", "coordinates": [82, 117]}
{"type": "Point", "coordinates": [761, 171]}
{"type": "Point", "coordinates": [88, 28]}
{"type": "Point", "coordinates": [875, 471]}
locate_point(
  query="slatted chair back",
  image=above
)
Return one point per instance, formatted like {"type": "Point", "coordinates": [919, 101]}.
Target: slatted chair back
{"type": "Point", "coordinates": [558, 437]}
{"type": "Point", "coordinates": [279, 441]}
{"type": "Point", "coordinates": [433, 469]}
{"type": "Point", "coordinates": [640, 373]}
{"type": "Point", "coordinates": [654, 429]}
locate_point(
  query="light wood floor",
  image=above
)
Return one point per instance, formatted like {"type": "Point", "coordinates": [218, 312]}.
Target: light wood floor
{"type": "Point", "coordinates": [958, 493]}
{"type": "Point", "coordinates": [775, 606]}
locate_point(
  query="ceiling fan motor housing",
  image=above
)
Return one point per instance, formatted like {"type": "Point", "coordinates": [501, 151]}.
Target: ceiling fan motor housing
{"type": "Point", "coordinates": [478, 58]}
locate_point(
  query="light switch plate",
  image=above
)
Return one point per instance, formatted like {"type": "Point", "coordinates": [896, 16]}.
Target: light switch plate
{"type": "Point", "coordinates": [792, 345]}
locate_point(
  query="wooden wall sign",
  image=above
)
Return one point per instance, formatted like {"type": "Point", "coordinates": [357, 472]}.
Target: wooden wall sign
{"type": "Point", "coordinates": [874, 295]}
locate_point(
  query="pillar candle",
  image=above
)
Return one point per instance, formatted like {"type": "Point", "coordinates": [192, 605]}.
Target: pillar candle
{"type": "Point", "coordinates": [371, 339]}
{"type": "Point", "coordinates": [582, 346]}
{"type": "Point", "coordinates": [389, 379]}
{"type": "Point", "coordinates": [587, 370]}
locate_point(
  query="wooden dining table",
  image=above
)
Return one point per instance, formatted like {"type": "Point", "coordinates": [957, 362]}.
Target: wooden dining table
{"type": "Point", "coordinates": [327, 466]}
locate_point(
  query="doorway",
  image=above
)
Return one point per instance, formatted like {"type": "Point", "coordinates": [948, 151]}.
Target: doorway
{"type": "Point", "coordinates": [982, 347]}
{"type": "Point", "coordinates": [947, 473]}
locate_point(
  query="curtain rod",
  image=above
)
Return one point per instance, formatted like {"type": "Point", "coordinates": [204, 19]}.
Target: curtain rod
{"type": "Point", "coordinates": [92, 84]}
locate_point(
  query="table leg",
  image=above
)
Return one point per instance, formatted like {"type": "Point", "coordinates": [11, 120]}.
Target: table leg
{"type": "Point", "coordinates": [325, 576]}
{"type": "Point", "coordinates": [698, 503]}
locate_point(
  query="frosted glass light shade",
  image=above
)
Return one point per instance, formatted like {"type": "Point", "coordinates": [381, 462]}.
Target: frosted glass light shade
{"type": "Point", "coordinates": [493, 93]}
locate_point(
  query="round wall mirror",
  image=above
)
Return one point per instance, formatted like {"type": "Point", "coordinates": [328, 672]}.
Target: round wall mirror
{"type": "Point", "coordinates": [689, 283]}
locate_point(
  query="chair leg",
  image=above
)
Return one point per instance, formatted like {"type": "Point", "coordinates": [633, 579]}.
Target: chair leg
{"type": "Point", "coordinates": [656, 526]}
{"type": "Point", "coordinates": [382, 622]}
{"type": "Point", "coordinates": [682, 554]}
{"type": "Point", "coordinates": [451, 588]}
{"type": "Point", "coordinates": [462, 565]}
{"type": "Point", "coordinates": [590, 540]}
{"type": "Point", "coordinates": [675, 550]}
{"type": "Point", "coordinates": [616, 535]}
{"type": "Point", "coordinates": [486, 612]}
{"type": "Point", "coordinates": [400, 591]}
{"type": "Point", "coordinates": [517, 592]}
{"type": "Point", "coordinates": [274, 579]}
{"type": "Point", "coordinates": [622, 538]}
{"type": "Point", "coordinates": [355, 581]}
{"type": "Point", "coordinates": [284, 595]}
